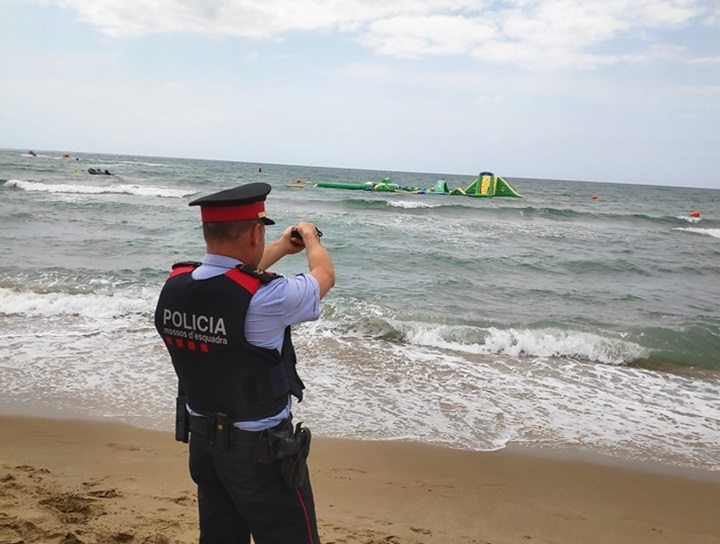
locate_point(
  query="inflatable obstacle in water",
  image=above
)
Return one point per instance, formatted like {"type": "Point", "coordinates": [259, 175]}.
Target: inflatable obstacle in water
{"type": "Point", "coordinates": [486, 185]}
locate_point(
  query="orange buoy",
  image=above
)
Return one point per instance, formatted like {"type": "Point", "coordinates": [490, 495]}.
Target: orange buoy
{"type": "Point", "coordinates": [694, 213]}
{"type": "Point", "coordinates": [594, 197]}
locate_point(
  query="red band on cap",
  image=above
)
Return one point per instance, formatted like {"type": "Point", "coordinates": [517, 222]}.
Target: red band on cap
{"type": "Point", "coordinates": [241, 212]}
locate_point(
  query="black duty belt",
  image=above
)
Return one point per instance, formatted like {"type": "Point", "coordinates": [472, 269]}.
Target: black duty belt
{"type": "Point", "coordinates": [206, 426]}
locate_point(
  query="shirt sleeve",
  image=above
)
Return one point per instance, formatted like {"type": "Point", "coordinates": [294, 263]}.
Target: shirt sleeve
{"type": "Point", "coordinates": [282, 302]}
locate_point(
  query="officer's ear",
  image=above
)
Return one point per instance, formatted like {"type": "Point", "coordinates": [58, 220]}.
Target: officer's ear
{"type": "Point", "coordinates": [257, 233]}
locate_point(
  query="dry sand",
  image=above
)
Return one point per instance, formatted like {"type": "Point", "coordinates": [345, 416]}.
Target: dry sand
{"type": "Point", "coordinates": [70, 482]}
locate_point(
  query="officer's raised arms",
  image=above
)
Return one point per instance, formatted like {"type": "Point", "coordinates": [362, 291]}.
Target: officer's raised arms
{"type": "Point", "coordinates": [319, 263]}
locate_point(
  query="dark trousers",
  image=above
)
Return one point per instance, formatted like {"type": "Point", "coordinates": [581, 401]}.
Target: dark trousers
{"type": "Point", "coordinates": [238, 498]}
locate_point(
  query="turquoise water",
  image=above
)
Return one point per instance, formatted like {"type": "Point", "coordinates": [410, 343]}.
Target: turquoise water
{"type": "Point", "coordinates": [555, 320]}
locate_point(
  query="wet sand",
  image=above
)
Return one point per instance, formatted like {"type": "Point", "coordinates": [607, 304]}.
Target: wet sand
{"type": "Point", "coordinates": [89, 482]}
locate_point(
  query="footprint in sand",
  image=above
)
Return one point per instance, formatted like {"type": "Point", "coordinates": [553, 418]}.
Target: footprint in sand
{"type": "Point", "coordinates": [72, 508]}
{"type": "Point", "coordinates": [122, 447]}
{"type": "Point", "coordinates": [105, 493]}
{"type": "Point", "coordinates": [346, 473]}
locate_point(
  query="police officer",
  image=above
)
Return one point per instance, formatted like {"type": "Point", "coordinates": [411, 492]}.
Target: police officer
{"type": "Point", "coordinates": [226, 324]}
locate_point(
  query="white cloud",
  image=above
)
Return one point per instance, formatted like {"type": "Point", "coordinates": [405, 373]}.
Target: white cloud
{"type": "Point", "coordinates": [419, 36]}
{"type": "Point", "coordinates": [543, 33]}
{"type": "Point", "coordinates": [713, 18]}
{"type": "Point", "coordinates": [247, 18]}
{"type": "Point", "coordinates": [671, 12]}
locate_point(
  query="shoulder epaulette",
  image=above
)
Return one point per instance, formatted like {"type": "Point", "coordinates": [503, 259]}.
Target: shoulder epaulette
{"type": "Point", "coordinates": [185, 264]}
{"type": "Point", "coordinates": [262, 275]}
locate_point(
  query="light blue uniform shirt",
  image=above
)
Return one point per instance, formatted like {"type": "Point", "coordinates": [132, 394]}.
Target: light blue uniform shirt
{"type": "Point", "coordinates": [275, 305]}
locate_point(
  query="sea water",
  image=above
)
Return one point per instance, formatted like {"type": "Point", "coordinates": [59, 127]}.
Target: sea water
{"type": "Point", "coordinates": [557, 320]}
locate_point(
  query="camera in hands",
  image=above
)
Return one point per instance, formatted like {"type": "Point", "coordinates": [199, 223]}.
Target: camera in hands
{"type": "Point", "coordinates": [295, 233]}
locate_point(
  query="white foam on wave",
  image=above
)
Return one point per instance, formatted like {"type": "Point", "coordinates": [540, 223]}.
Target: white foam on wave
{"type": "Point", "coordinates": [410, 204]}
{"type": "Point", "coordinates": [551, 342]}
{"type": "Point", "coordinates": [394, 391]}
{"type": "Point", "coordinates": [342, 317]}
{"type": "Point", "coordinates": [91, 306]}
{"type": "Point", "coordinates": [40, 156]}
{"type": "Point", "coordinates": [124, 189]}
{"type": "Point", "coordinates": [143, 163]}
{"type": "Point", "coordinates": [99, 355]}
{"type": "Point", "coordinates": [715, 233]}
{"type": "Point", "coordinates": [545, 342]}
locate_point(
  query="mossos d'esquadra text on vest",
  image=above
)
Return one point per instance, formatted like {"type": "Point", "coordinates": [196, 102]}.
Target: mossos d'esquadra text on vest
{"type": "Point", "coordinates": [194, 327]}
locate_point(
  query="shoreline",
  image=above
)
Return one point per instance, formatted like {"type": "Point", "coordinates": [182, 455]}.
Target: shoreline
{"type": "Point", "coordinates": [8, 410]}
{"type": "Point", "coordinates": [90, 482]}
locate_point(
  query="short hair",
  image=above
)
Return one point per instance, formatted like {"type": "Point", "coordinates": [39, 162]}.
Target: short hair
{"type": "Point", "coordinates": [227, 230]}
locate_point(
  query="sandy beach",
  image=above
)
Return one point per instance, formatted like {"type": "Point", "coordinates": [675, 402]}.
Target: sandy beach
{"type": "Point", "coordinates": [72, 482]}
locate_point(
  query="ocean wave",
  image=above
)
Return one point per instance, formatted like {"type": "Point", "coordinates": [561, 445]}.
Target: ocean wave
{"type": "Point", "coordinates": [685, 348]}
{"type": "Point", "coordinates": [409, 204]}
{"type": "Point", "coordinates": [504, 209]}
{"type": "Point", "coordinates": [693, 347]}
{"type": "Point", "coordinates": [42, 156]}
{"type": "Point", "coordinates": [125, 189]}
{"type": "Point", "coordinates": [715, 233]}
{"type": "Point", "coordinates": [607, 217]}
{"type": "Point", "coordinates": [371, 321]}
{"type": "Point", "coordinates": [58, 304]}
{"type": "Point", "coordinates": [484, 401]}
{"type": "Point", "coordinates": [142, 163]}
{"type": "Point", "coordinates": [533, 343]}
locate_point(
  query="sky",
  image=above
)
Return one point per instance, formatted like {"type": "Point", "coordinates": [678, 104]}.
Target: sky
{"type": "Point", "coordinates": [621, 91]}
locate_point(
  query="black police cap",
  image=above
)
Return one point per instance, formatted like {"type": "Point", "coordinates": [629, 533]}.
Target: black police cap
{"type": "Point", "coordinates": [236, 204]}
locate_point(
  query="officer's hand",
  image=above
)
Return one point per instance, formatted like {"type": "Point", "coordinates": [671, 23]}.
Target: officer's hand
{"type": "Point", "coordinates": [306, 232]}
{"type": "Point", "coordinates": [291, 244]}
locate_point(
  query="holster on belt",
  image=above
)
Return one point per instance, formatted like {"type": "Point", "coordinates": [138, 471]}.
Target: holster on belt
{"type": "Point", "coordinates": [221, 437]}
{"type": "Point", "coordinates": [290, 447]}
{"type": "Point", "coordinates": [182, 419]}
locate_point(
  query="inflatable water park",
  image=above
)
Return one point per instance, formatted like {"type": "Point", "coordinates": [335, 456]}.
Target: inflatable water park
{"type": "Point", "coordinates": [486, 185]}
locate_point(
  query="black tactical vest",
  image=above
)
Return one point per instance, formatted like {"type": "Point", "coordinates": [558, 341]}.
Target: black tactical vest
{"type": "Point", "coordinates": [202, 323]}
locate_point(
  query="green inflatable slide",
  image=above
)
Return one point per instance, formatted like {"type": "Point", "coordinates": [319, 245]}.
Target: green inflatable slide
{"type": "Point", "coordinates": [486, 185]}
